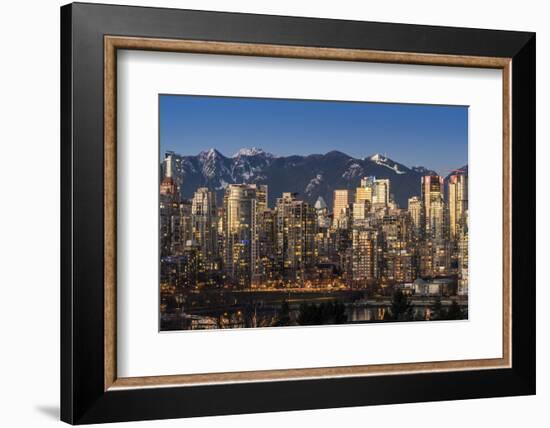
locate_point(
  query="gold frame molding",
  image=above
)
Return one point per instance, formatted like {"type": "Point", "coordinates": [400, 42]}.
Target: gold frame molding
{"type": "Point", "coordinates": [113, 43]}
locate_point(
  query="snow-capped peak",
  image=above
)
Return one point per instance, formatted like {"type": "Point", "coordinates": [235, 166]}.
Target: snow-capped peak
{"type": "Point", "coordinates": [208, 154]}
{"type": "Point", "coordinates": [250, 151]}
{"type": "Point", "coordinates": [377, 157]}
{"type": "Point", "coordinates": [387, 162]}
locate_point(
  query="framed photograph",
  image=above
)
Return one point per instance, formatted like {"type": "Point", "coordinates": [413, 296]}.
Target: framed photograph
{"type": "Point", "coordinates": [266, 213]}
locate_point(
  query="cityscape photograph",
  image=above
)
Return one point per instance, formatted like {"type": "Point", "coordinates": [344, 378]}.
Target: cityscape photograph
{"type": "Point", "coordinates": [285, 213]}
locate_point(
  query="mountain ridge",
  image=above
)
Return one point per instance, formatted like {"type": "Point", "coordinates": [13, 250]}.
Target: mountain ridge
{"type": "Point", "coordinates": [310, 176]}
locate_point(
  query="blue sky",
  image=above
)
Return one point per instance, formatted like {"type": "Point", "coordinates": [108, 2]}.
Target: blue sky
{"type": "Point", "coordinates": [432, 136]}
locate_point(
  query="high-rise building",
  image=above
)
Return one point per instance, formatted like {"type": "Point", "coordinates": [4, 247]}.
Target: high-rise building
{"type": "Point", "coordinates": [458, 204]}
{"type": "Point", "coordinates": [267, 268]}
{"type": "Point", "coordinates": [366, 190]}
{"type": "Point", "coordinates": [296, 230]}
{"type": "Point", "coordinates": [182, 270]}
{"type": "Point", "coordinates": [395, 231]}
{"type": "Point", "coordinates": [185, 223]}
{"type": "Point", "coordinates": [441, 258]}
{"type": "Point", "coordinates": [168, 185]}
{"type": "Point", "coordinates": [340, 204]}
{"type": "Point", "coordinates": [425, 259]}
{"type": "Point", "coordinates": [463, 259]}
{"type": "Point", "coordinates": [433, 204]}
{"type": "Point", "coordinates": [240, 233]}
{"type": "Point", "coordinates": [172, 167]}
{"type": "Point", "coordinates": [435, 221]}
{"type": "Point", "coordinates": [173, 215]}
{"type": "Point", "coordinates": [397, 266]}
{"type": "Point", "coordinates": [416, 213]}
{"type": "Point", "coordinates": [174, 224]}
{"type": "Point", "coordinates": [434, 258]}
{"type": "Point", "coordinates": [364, 256]}
{"type": "Point", "coordinates": [262, 196]}
{"type": "Point", "coordinates": [381, 197]}
{"type": "Point", "coordinates": [363, 194]}
{"type": "Point", "coordinates": [323, 245]}
{"type": "Point", "coordinates": [404, 267]}
{"type": "Point", "coordinates": [323, 219]}
{"type": "Point", "coordinates": [205, 224]}
{"type": "Point", "coordinates": [360, 211]}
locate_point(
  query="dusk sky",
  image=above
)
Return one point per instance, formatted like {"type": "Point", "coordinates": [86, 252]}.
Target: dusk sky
{"type": "Point", "coordinates": [432, 136]}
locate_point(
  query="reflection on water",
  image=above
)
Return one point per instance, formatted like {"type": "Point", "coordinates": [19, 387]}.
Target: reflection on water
{"type": "Point", "coordinates": [378, 313]}
{"type": "Point", "coordinates": [358, 314]}
{"type": "Point", "coordinates": [270, 318]}
{"type": "Point", "coordinates": [249, 309]}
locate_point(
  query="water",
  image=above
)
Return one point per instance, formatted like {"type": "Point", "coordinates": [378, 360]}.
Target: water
{"type": "Point", "coordinates": [247, 309]}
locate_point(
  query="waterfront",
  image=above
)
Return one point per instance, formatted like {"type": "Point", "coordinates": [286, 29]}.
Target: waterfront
{"type": "Point", "coordinates": [218, 309]}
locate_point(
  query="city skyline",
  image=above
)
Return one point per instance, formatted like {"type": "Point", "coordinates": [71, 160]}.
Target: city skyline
{"type": "Point", "coordinates": [431, 136]}
{"type": "Point", "coordinates": [250, 239]}
{"type": "Point", "coordinates": [248, 253]}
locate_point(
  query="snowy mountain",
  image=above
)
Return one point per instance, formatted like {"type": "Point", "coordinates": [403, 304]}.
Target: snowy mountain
{"type": "Point", "coordinates": [310, 176]}
{"type": "Point", "coordinates": [253, 151]}
{"type": "Point", "coordinates": [388, 163]}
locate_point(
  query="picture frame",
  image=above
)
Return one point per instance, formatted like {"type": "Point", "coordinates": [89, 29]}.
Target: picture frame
{"type": "Point", "coordinates": [91, 390]}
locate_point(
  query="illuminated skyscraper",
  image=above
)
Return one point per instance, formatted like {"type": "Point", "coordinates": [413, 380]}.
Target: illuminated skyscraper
{"type": "Point", "coordinates": [416, 214]}
{"type": "Point", "coordinates": [381, 197]}
{"type": "Point", "coordinates": [340, 204]}
{"type": "Point", "coordinates": [392, 229]}
{"type": "Point", "coordinates": [267, 268]}
{"type": "Point", "coordinates": [463, 258]}
{"type": "Point", "coordinates": [172, 223]}
{"type": "Point", "coordinates": [441, 258]}
{"type": "Point", "coordinates": [458, 204]}
{"type": "Point", "coordinates": [404, 266]}
{"type": "Point", "coordinates": [185, 221]}
{"type": "Point", "coordinates": [323, 219]}
{"type": "Point", "coordinates": [168, 185]}
{"type": "Point", "coordinates": [360, 211]}
{"type": "Point", "coordinates": [205, 225]}
{"type": "Point", "coordinates": [435, 221]}
{"type": "Point", "coordinates": [172, 167]}
{"type": "Point", "coordinates": [364, 256]}
{"type": "Point", "coordinates": [240, 233]}
{"type": "Point", "coordinates": [296, 230]}
{"type": "Point", "coordinates": [434, 207]}
{"type": "Point", "coordinates": [262, 195]}
{"type": "Point", "coordinates": [366, 190]}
